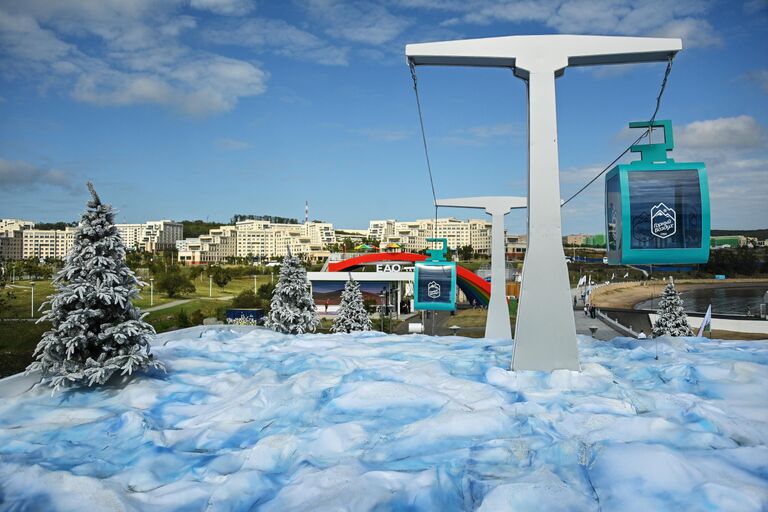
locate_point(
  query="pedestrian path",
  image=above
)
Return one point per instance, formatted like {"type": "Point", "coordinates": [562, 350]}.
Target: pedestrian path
{"type": "Point", "coordinates": [584, 322]}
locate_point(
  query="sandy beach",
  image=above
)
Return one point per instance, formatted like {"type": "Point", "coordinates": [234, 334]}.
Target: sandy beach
{"type": "Point", "coordinates": [626, 295]}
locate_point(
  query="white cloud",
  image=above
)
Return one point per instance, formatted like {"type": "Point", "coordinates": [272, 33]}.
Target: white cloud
{"type": "Point", "coordinates": [484, 134]}
{"type": "Point", "coordinates": [22, 38]}
{"type": "Point", "coordinates": [16, 175]}
{"type": "Point", "coordinates": [385, 135]}
{"type": "Point", "coordinates": [726, 132]}
{"type": "Point", "coordinates": [140, 58]}
{"type": "Point", "coordinates": [206, 85]}
{"type": "Point", "coordinates": [363, 22]}
{"type": "Point", "coordinates": [259, 34]}
{"type": "Point", "coordinates": [694, 32]}
{"type": "Point", "coordinates": [735, 152]}
{"type": "Point", "coordinates": [225, 7]}
{"type": "Point", "coordinates": [496, 130]}
{"type": "Point", "coordinates": [232, 144]}
{"type": "Point", "coordinates": [622, 17]}
{"type": "Point", "coordinates": [760, 77]}
{"type": "Point", "coordinates": [754, 6]}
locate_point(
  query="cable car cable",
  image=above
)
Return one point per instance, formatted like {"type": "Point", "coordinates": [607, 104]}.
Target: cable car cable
{"type": "Point", "coordinates": [647, 132]}
{"type": "Point", "coordinates": [424, 141]}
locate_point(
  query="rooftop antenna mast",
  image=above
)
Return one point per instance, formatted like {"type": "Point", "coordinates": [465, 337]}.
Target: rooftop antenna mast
{"type": "Point", "coordinates": [306, 212]}
{"type": "Point", "coordinates": [545, 334]}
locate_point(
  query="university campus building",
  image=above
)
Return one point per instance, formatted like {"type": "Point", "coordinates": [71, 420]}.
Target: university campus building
{"type": "Point", "coordinates": [20, 239]}
{"type": "Point", "coordinates": [412, 235]}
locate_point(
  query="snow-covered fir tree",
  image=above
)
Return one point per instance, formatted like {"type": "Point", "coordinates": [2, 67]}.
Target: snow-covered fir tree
{"type": "Point", "coordinates": [292, 310]}
{"type": "Point", "coordinates": [352, 315]}
{"type": "Point", "coordinates": [672, 319]}
{"type": "Point", "coordinates": [96, 330]}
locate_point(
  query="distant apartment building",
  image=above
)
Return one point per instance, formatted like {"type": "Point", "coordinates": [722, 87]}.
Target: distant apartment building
{"type": "Point", "coordinates": [574, 239]}
{"type": "Point", "coordinates": [732, 241]}
{"type": "Point", "coordinates": [215, 247]}
{"type": "Point", "coordinates": [597, 240]}
{"type": "Point", "coordinates": [356, 236]}
{"type": "Point", "coordinates": [11, 238]}
{"type": "Point", "coordinates": [412, 235]}
{"type": "Point", "coordinates": [381, 229]}
{"type": "Point", "coordinates": [516, 245]}
{"type": "Point", "coordinates": [151, 236]}
{"type": "Point", "coordinates": [47, 243]}
{"type": "Point", "coordinates": [11, 246]}
{"type": "Point", "coordinates": [257, 239]}
{"type": "Point", "coordinates": [8, 226]}
{"type": "Point", "coordinates": [263, 239]}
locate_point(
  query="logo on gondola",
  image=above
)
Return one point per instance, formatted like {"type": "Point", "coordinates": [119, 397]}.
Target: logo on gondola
{"type": "Point", "coordinates": [663, 221]}
{"type": "Point", "coordinates": [433, 290]}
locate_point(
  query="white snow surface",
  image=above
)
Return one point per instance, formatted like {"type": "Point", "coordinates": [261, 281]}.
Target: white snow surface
{"type": "Point", "coordinates": [264, 421]}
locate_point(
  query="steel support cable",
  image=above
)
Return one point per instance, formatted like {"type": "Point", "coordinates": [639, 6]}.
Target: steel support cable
{"type": "Point", "coordinates": [424, 141]}
{"type": "Point", "coordinates": [648, 132]}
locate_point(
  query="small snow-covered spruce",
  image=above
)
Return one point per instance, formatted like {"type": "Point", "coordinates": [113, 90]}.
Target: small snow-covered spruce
{"type": "Point", "coordinates": [352, 315]}
{"type": "Point", "coordinates": [292, 310]}
{"type": "Point", "coordinates": [672, 319]}
{"type": "Point", "coordinates": [95, 329]}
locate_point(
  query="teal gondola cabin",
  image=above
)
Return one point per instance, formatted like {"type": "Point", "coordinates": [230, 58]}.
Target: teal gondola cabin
{"type": "Point", "coordinates": [435, 280]}
{"type": "Point", "coordinates": [657, 210]}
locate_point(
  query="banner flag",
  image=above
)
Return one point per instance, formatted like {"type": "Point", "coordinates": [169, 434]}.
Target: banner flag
{"type": "Point", "coordinates": [706, 324]}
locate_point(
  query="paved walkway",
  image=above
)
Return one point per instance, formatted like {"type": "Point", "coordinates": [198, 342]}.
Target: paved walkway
{"type": "Point", "coordinates": [182, 301]}
{"type": "Point", "coordinates": [166, 305]}
{"type": "Point", "coordinates": [583, 322]}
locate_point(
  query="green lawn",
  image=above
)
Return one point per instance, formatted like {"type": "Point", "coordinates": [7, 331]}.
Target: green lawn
{"type": "Point", "coordinates": [476, 317]}
{"type": "Point", "coordinates": [18, 340]}
{"type": "Point", "coordinates": [20, 305]}
{"type": "Point", "coordinates": [168, 319]}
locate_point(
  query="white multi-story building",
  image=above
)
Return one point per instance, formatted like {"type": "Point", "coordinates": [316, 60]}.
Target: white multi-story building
{"type": "Point", "coordinates": [381, 229]}
{"type": "Point", "coordinates": [215, 247]}
{"type": "Point", "coordinates": [151, 236]}
{"type": "Point", "coordinates": [11, 245]}
{"type": "Point", "coordinates": [11, 238]}
{"type": "Point", "coordinates": [8, 226]}
{"type": "Point", "coordinates": [356, 236]}
{"type": "Point", "coordinates": [257, 239]}
{"type": "Point", "coordinates": [262, 239]}
{"type": "Point", "coordinates": [412, 235]}
{"type": "Point", "coordinates": [47, 243]}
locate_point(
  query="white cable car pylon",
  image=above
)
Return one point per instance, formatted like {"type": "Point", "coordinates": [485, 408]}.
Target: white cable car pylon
{"type": "Point", "coordinates": [545, 333]}
{"type": "Point", "coordinates": [497, 323]}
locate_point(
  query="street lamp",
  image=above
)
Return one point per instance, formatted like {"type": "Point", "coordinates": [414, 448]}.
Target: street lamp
{"type": "Point", "coordinates": [210, 286]}
{"type": "Point", "coordinates": [151, 291]}
{"type": "Point", "coordinates": [255, 287]}
{"type": "Point", "coordinates": [32, 285]}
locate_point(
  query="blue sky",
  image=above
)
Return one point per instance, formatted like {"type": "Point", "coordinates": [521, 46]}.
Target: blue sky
{"type": "Point", "coordinates": [193, 109]}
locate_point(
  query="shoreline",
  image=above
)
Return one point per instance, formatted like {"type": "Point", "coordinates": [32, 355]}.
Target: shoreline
{"type": "Point", "coordinates": [628, 295]}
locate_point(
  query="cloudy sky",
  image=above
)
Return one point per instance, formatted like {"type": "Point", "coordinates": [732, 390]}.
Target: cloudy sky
{"type": "Point", "coordinates": [199, 109]}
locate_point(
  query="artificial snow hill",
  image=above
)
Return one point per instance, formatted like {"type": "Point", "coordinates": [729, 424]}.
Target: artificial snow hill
{"type": "Point", "coordinates": [247, 419]}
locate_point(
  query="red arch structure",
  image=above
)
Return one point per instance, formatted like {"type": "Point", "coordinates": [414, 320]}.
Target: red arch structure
{"type": "Point", "coordinates": [470, 283]}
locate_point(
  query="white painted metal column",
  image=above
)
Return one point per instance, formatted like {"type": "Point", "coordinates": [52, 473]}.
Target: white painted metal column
{"type": "Point", "coordinates": [545, 337]}
{"type": "Point", "coordinates": [497, 323]}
